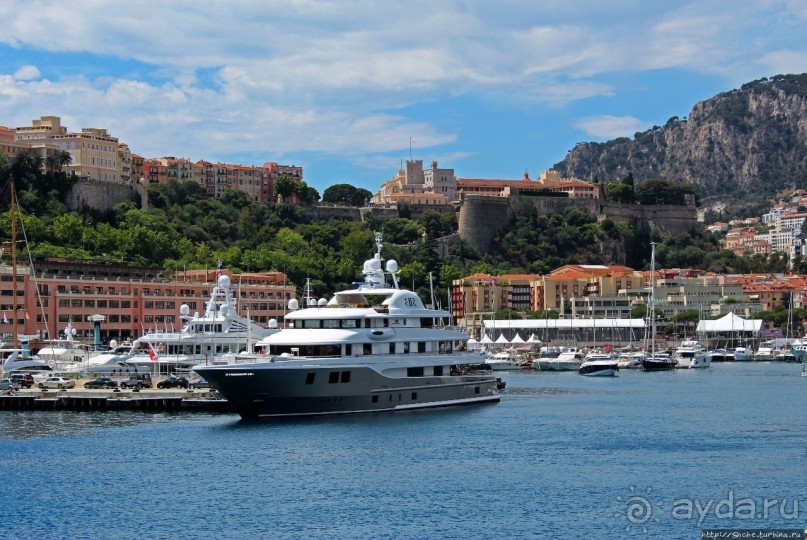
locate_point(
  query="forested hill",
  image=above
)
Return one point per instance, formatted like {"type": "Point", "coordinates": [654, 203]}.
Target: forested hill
{"type": "Point", "coordinates": [747, 141]}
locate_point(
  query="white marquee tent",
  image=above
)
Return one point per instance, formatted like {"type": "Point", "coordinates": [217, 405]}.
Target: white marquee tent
{"type": "Point", "coordinates": [730, 323]}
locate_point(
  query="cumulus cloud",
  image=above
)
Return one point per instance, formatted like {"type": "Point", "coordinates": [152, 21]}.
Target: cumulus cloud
{"type": "Point", "coordinates": [353, 76]}
{"type": "Point", "coordinates": [609, 127]}
{"type": "Point", "coordinates": [26, 73]}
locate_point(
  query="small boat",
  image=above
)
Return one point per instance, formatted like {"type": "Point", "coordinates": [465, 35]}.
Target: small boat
{"type": "Point", "coordinates": [655, 361]}
{"type": "Point", "coordinates": [599, 368]}
{"type": "Point", "coordinates": [504, 360]}
{"type": "Point", "coordinates": [799, 349]}
{"type": "Point", "coordinates": [765, 352]}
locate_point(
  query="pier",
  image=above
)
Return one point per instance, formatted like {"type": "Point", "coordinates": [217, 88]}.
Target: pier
{"type": "Point", "coordinates": [79, 399]}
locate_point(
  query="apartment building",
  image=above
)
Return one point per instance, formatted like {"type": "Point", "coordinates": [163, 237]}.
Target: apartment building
{"type": "Point", "coordinates": [132, 299]}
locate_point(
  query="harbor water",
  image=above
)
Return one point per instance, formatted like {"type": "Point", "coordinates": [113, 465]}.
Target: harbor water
{"type": "Point", "coordinates": [644, 455]}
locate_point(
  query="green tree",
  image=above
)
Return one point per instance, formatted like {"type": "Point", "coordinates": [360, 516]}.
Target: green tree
{"type": "Point", "coordinates": [346, 195]}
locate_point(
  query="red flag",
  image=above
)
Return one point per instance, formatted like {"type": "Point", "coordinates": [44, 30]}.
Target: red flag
{"type": "Point", "coordinates": [5, 321]}
{"type": "Point", "coordinates": [152, 355]}
{"type": "Point", "coordinates": [27, 318]}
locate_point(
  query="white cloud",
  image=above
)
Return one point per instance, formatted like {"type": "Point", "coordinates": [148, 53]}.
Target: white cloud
{"type": "Point", "coordinates": [26, 73]}
{"type": "Point", "coordinates": [609, 127]}
{"type": "Point", "coordinates": [785, 61]}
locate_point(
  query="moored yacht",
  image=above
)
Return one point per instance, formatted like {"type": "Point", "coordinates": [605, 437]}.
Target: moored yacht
{"type": "Point", "coordinates": [690, 355]}
{"type": "Point", "coordinates": [213, 337]}
{"type": "Point", "coordinates": [372, 348]}
{"type": "Point", "coordinates": [569, 360]}
{"type": "Point", "coordinates": [504, 360]}
{"type": "Point", "coordinates": [603, 367]}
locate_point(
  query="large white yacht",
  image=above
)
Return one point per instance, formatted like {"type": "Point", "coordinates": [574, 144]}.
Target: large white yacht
{"type": "Point", "coordinates": [204, 339]}
{"type": "Point", "coordinates": [65, 354]}
{"type": "Point", "coordinates": [691, 354]}
{"type": "Point", "coordinates": [355, 354]}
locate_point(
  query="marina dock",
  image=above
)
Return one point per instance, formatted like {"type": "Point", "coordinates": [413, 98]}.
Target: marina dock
{"type": "Point", "coordinates": [80, 399]}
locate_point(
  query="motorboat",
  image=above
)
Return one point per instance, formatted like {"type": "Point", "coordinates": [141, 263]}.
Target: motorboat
{"type": "Point", "coordinates": [631, 360]}
{"type": "Point", "coordinates": [765, 352]}
{"type": "Point", "coordinates": [569, 360]}
{"type": "Point", "coordinates": [690, 355]}
{"type": "Point", "coordinates": [799, 350]}
{"type": "Point", "coordinates": [659, 361]}
{"type": "Point", "coordinates": [12, 359]}
{"type": "Point", "coordinates": [504, 360]}
{"type": "Point", "coordinates": [743, 354]}
{"type": "Point", "coordinates": [372, 348]}
{"type": "Point", "coordinates": [604, 367]}
{"type": "Point", "coordinates": [719, 355]}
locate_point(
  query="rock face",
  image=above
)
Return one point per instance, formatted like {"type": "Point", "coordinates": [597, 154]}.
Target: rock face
{"type": "Point", "coordinates": [751, 140]}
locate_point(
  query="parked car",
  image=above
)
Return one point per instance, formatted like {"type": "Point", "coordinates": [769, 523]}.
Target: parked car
{"type": "Point", "coordinates": [7, 385]}
{"type": "Point", "coordinates": [173, 382]}
{"type": "Point", "coordinates": [57, 382]}
{"type": "Point", "coordinates": [137, 381]}
{"type": "Point", "coordinates": [26, 380]}
{"type": "Point", "coordinates": [101, 382]}
{"type": "Point", "coordinates": [199, 383]}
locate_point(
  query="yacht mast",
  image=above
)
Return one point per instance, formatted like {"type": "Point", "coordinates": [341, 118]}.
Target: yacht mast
{"type": "Point", "coordinates": [14, 265]}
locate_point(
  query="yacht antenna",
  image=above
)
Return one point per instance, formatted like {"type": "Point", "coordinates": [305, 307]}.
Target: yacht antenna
{"type": "Point", "coordinates": [431, 289]}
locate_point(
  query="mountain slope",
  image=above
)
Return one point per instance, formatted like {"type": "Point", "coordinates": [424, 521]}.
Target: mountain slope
{"type": "Point", "coordinates": [751, 140]}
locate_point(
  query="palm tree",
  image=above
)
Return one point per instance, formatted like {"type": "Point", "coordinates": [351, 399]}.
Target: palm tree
{"type": "Point", "coordinates": [57, 161]}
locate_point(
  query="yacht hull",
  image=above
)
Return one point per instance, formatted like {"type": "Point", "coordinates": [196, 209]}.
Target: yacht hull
{"type": "Point", "coordinates": [271, 389]}
{"type": "Point", "coordinates": [658, 365]}
{"type": "Point", "coordinates": [599, 369]}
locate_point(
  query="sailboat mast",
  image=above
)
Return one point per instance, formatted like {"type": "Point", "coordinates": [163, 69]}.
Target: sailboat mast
{"type": "Point", "coordinates": [14, 264]}
{"type": "Point", "coordinates": [652, 299]}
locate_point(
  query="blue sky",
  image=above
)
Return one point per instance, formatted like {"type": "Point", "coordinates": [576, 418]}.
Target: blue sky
{"type": "Point", "coordinates": [490, 89]}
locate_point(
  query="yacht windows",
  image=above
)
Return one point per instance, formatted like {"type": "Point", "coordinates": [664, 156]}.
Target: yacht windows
{"type": "Point", "coordinates": [309, 378]}
{"type": "Point", "coordinates": [312, 323]}
{"type": "Point", "coordinates": [345, 377]}
{"type": "Point", "coordinates": [375, 399]}
{"type": "Point", "coordinates": [414, 396]}
{"type": "Point", "coordinates": [333, 377]}
{"type": "Point", "coordinates": [350, 323]}
{"type": "Point", "coordinates": [330, 323]}
{"type": "Point", "coordinates": [427, 322]}
{"type": "Point", "coordinates": [392, 348]}
{"type": "Point", "coordinates": [414, 372]}
{"type": "Point", "coordinates": [438, 371]}
{"type": "Point", "coordinates": [348, 350]}
{"type": "Point", "coordinates": [406, 347]}
{"type": "Point", "coordinates": [422, 347]}
{"type": "Point", "coordinates": [367, 349]}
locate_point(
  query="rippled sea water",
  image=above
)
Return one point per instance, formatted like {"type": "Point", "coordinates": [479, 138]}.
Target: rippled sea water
{"type": "Point", "coordinates": [644, 455]}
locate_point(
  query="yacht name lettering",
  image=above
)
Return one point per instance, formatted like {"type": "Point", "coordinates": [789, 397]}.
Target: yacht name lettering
{"type": "Point", "coordinates": [236, 374]}
{"type": "Point", "coordinates": [410, 302]}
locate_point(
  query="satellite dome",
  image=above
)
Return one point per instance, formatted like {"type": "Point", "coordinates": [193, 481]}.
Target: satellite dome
{"type": "Point", "coordinates": [112, 343]}
{"type": "Point", "coordinates": [272, 323]}
{"type": "Point", "coordinates": [294, 304]}
{"type": "Point", "coordinates": [184, 309]}
{"type": "Point", "coordinates": [322, 302]}
{"type": "Point", "coordinates": [392, 266]}
{"type": "Point", "coordinates": [224, 281]}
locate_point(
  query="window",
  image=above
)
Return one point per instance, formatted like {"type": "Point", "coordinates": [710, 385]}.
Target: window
{"type": "Point", "coordinates": [438, 371]}
{"type": "Point", "coordinates": [309, 378]}
{"type": "Point", "coordinates": [414, 396]}
{"type": "Point", "coordinates": [345, 378]}
{"type": "Point", "coordinates": [422, 347]}
{"type": "Point", "coordinates": [414, 372]}
{"type": "Point", "coordinates": [333, 377]}
{"type": "Point", "coordinates": [101, 303]}
{"type": "Point", "coordinates": [375, 399]}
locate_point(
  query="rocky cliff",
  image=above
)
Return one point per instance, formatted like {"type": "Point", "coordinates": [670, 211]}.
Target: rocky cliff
{"type": "Point", "coordinates": [751, 140]}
